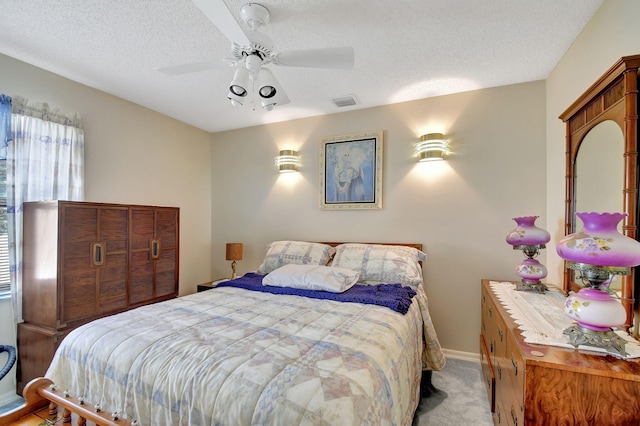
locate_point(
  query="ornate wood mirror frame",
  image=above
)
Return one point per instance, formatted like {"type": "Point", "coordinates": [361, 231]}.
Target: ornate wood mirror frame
{"type": "Point", "coordinates": [614, 96]}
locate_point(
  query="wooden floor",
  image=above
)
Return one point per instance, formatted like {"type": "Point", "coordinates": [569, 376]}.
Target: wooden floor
{"type": "Point", "coordinates": [33, 419]}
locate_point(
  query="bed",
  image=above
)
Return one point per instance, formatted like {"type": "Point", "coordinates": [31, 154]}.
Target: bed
{"type": "Point", "coordinates": [284, 353]}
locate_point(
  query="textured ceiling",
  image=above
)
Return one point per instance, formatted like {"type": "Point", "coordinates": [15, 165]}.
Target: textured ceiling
{"type": "Point", "coordinates": [404, 49]}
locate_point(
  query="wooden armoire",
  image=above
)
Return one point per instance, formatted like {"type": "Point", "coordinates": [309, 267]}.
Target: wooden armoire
{"type": "Point", "coordinates": [83, 261]}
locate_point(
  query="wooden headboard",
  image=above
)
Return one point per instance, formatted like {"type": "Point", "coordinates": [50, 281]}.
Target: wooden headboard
{"type": "Point", "coordinates": [414, 245]}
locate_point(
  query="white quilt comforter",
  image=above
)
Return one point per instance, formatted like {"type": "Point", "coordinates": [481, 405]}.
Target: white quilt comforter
{"type": "Point", "coordinates": [229, 356]}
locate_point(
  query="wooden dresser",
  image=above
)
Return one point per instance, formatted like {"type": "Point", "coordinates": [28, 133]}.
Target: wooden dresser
{"type": "Point", "coordinates": [83, 261]}
{"type": "Point", "coordinates": [545, 385]}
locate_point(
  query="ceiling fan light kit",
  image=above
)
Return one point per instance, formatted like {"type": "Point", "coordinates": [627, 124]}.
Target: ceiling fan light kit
{"type": "Point", "coordinates": [253, 50]}
{"type": "Point", "coordinates": [240, 82]}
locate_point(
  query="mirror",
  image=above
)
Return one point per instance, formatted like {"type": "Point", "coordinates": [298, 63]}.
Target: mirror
{"type": "Point", "coordinates": [591, 136]}
{"type": "Point", "coordinates": [599, 170]}
{"type": "Point", "coordinates": [599, 174]}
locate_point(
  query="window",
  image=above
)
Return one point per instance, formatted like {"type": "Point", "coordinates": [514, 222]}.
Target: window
{"type": "Point", "coordinates": [5, 288]}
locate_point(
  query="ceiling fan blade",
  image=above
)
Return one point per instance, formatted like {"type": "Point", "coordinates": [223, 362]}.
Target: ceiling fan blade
{"type": "Point", "coordinates": [218, 13]}
{"type": "Point", "coordinates": [189, 68]}
{"type": "Point", "coordinates": [332, 58]}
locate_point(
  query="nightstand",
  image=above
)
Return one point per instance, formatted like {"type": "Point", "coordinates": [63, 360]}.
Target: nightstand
{"type": "Point", "coordinates": [211, 284]}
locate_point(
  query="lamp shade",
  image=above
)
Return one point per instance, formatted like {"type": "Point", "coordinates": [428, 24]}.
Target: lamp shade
{"type": "Point", "coordinates": [240, 82]}
{"type": "Point", "coordinates": [234, 251]}
{"type": "Point", "coordinates": [432, 147]}
{"type": "Point", "coordinates": [526, 233]}
{"type": "Point", "coordinates": [599, 242]}
{"type": "Point", "coordinates": [287, 161]}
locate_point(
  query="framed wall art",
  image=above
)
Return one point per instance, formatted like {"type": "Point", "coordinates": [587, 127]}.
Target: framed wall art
{"type": "Point", "coordinates": [351, 171]}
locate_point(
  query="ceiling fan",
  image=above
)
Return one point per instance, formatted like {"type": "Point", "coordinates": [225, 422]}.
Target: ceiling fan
{"type": "Point", "coordinates": [252, 51]}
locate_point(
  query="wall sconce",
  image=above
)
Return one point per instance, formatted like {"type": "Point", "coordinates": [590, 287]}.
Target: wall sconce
{"type": "Point", "coordinates": [234, 252]}
{"type": "Point", "coordinates": [432, 147]}
{"type": "Point", "coordinates": [288, 161]}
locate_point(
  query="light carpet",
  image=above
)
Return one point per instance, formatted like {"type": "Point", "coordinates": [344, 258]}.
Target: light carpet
{"type": "Point", "coordinates": [461, 398]}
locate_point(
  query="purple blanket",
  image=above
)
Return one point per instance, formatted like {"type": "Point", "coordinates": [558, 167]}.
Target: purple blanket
{"type": "Point", "coordinates": [392, 296]}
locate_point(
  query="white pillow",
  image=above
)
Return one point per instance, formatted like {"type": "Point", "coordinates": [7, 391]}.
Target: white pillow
{"type": "Point", "coordinates": [381, 263]}
{"type": "Point", "coordinates": [280, 253]}
{"type": "Point", "coordinates": [312, 277]}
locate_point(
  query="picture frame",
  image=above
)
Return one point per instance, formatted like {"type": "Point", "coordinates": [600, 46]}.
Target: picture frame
{"type": "Point", "coordinates": [351, 171]}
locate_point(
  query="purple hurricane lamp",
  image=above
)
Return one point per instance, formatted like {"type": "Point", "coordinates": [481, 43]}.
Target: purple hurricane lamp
{"type": "Point", "coordinates": [530, 239]}
{"type": "Point", "coordinates": [599, 242]}
{"type": "Point", "coordinates": [527, 233]}
{"type": "Point", "coordinates": [597, 253]}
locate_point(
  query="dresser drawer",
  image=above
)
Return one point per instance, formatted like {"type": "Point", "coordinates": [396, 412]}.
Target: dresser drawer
{"type": "Point", "coordinates": [494, 329]}
{"type": "Point", "coordinates": [488, 374]}
{"type": "Point", "coordinates": [514, 372]}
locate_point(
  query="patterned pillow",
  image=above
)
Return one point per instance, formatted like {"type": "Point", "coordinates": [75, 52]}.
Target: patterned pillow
{"type": "Point", "coordinates": [381, 264]}
{"type": "Point", "coordinates": [280, 253]}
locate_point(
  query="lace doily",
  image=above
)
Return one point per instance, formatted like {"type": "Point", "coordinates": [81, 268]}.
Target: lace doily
{"type": "Point", "coordinates": [541, 318]}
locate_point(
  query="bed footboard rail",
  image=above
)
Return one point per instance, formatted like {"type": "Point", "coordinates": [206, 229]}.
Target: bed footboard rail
{"type": "Point", "coordinates": [41, 392]}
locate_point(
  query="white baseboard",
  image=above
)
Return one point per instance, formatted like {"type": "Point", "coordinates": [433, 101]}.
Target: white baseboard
{"type": "Point", "coordinates": [464, 356]}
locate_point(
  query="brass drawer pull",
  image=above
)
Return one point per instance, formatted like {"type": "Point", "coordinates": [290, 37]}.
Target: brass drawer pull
{"type": "Point", "coordinates": [500, 333]}
{"type": "Point", "coordinates": [97, 254]}
{"type": "Point", "coordinates": [155, 249]}
{"type": "Point", "coordinates": [514, 417]}
{"type": "Point", "coordinates": [490, 311]}
{"type": "Point", "coordinates": [515, 364]}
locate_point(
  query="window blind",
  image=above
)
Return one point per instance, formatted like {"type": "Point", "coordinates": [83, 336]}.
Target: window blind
{"type": "Point", "coordinates": [5, 286]}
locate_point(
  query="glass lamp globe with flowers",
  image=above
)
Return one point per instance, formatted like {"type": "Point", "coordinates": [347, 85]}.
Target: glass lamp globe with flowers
{"type": "Point", "coordinates": [597, 254]}
{"type": "Point", "coordinates": [530, 239]}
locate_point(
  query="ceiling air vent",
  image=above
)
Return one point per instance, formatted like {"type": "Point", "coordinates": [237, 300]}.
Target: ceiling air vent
{"type": "Point", "coordinates": [344, 101]}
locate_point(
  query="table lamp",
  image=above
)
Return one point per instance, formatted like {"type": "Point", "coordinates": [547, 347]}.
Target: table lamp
{"type": "Point", "coordinates": [234, 252]}
{"type": "Point", "coordinates": [597, 253]}
{"type": "Point", "coordinates": [530, 239]}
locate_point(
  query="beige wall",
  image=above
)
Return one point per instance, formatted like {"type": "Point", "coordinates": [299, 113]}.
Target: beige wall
{"type": "Point", "coordinates": [613, 32]}
{"type": "Point", "coordinates": [460, 209]}
{"type": "Point", "coordinates": [132, 155]}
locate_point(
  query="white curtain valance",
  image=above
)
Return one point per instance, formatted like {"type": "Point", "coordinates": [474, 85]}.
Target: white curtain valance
{"type": "Point", "coordinates": [43, 111]}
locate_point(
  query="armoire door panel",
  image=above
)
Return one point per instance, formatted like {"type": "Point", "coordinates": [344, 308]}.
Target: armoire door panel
{"type": "Point", "coordinates": [142, 228]}
{"type": "Point", "coordinates": [114, 229]}
{"type": "Point", "coordinates": [80, 224]}
{"type": "Point", "coordinates": [166, 279]}
{"type": "Point", "coordinates": [78, 250]}
{"type": "Point", "coordinates": [79, 299]}
{"type": "Point", "coordinates": [114, 268]}
{"type": "Point", "coordinates": [112, 286]}
{"type": "Point", "coordinates": [141, 275]}
{"type": "Point", "coordinates": [80, 262]}
{"type": "Point", "coordinates": [166, 227]}
{"type": "Point", "coordinates": [113, 296]}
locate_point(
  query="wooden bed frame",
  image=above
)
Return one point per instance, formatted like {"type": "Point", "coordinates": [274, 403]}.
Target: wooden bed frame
{"type": "Point", "coordinates": [41, 392]}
